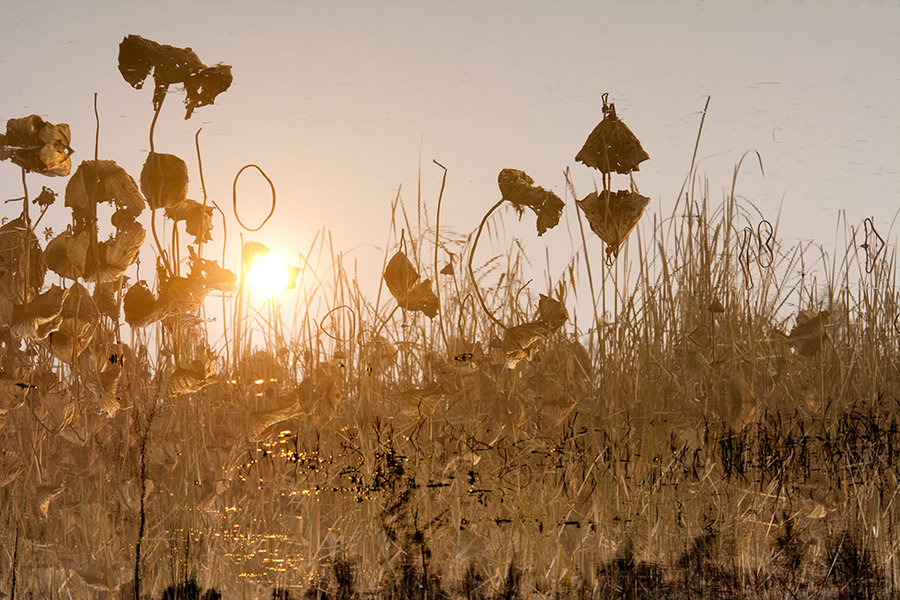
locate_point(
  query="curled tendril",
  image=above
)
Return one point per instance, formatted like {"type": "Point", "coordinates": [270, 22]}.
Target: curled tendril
{"type": "Point", "coordinates": [235, 197]}
{"type": "Point", "coordinates": [873, 235]}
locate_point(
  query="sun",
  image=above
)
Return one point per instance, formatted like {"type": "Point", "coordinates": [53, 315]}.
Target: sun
{"type": "Point", "coordinates": [268, 275]}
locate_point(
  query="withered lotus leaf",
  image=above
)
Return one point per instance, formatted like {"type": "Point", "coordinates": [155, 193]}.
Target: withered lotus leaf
{"type": "Point", "coordinates": [197, 218]}
{"type": "Point", "coordinates": [213, 276]}
{"type": "Point", "coordinates": [551, 313]}
{"type": "Point", "coordinates": [179, 295]}
{"type": "Point", "coordinates": [139, 305]}
{"type": "Point", "coordinates": [611, 146]}
{"type": "Point", "coordinates": [251, 251]}
{"type": "Point", "coordinates": [80, 318]}
{"type": "Point", "coordinates": [612, 216]}
{"type": "Point", "coordinates": [37, 319]}
{"type": "Point", "coordinates": [105, 296]}
{"type": "Point", "coordinates": [518, 188]}
{"type": "Point", "coordinates": [66, 254]}
{"type": "Point", "coordinates": [521, 342]}
{"type": "Point", "coordinates": [46, 198]}
{"type": "Point", "coordinates": [37, 145]}
{"type": "Point", "coordinates": [98, 181]}
{"type": "Point", "coordinates": [139, 56]}
{"type": "Point", "coordinates": [164, 180]}
{"type": "Point", "coordinates": [403, 282]}
{"type": "Point", "coordinates": [22, 267]}
{"type": "Point", "coordinates": [116, 254]}
{"type": "Point", "coordinates": [195, 376]}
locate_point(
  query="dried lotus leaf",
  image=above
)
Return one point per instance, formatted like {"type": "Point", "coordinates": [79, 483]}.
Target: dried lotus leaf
{"type": "Point", "coordinates": [22, 267]}
{"type": "Point", "coordinates": [97, 181]}
{"type": "Point", "coordinates": [37, 145]}
{"type": "Point", "coordinates": [213, 276]}
{"type": "Point", "coordinates": [164, 180]}
{"type": "Point", "coordinates": [197, 218]}
{"type": "Point", "coordinates": [259, 421]}
{"type": "Point", "coordinates": [400, 276]}
{"type": "Point", "coordinates": [551, 313]}
{"type": "Point", "coordinates": [422, 298]}
{"type": "Point", "coordinates": [117, 254]}
{"type": "Point", "coordinates": [611, 146]}
{"type": "Point", "coordinates": [196, 376]}
{"type": "Point", "coordinates": [39, 317]}
{"type": "Point", "coordinates": [80, 318]}
{"type": "Point", "coordinates": [66, 254]}
{"type": "Point", "coordinates": [105, 297]}
{"type": "Point", "coordinates": [613, 216]}
{"type": "Point", "coordinates": [521, 342]}
{"type": "Point", "coordinates": [139, 305]}
{"type": "Point", "coordinates": [251, 251]}
{"type": "Point", "coordinates": [518, 188]}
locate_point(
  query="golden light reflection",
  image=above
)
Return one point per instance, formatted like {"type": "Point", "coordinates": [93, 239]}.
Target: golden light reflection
{"type": "Point", "coordinates": [269, 275]}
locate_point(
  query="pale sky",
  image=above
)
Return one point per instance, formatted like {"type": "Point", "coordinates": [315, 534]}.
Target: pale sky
{"type": "Point", "coordinates": [338, 101]}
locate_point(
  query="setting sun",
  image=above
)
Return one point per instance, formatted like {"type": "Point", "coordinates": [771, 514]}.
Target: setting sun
{"type": "Point", "coordinates": [269, 275]}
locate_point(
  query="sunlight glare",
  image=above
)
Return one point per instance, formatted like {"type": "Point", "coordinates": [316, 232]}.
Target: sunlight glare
{"type": "Point", "coordinates": [268, 275]}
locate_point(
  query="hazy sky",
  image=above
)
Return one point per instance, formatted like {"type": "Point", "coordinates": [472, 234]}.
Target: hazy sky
{"type": "Point", "coordinates": [338, 101]}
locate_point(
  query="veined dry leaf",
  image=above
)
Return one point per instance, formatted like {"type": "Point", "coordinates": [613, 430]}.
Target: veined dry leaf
{"type": "Point", "coordinates": [139, 305]}
{"type": "Point", "coordinates": [401, 278]}
{"type": "Point", "coordinates": [196, 376]}
{"type": "Point", "coordinates": [39, 317]}
{"type": "Point", "coordinates": [79, 322]}
{"type": "Point", "coordinates": [97, 181]}
{"type": "Point", "coordinates": [258, 422]}
{"type": "Point", "coordinates": [37, 145]}
{"type": "Point", "coordinates": [22, 266]}
{"type": "Point", "coordinates": [179, 295]}
{"type": "Point", "coordinates": [518, 188]}
{"type": "Point", "coordinates": [139, 56]}
{"type": "Point", "coordinates": [116, 254]}
{"type": "Point", "coordinates": [611, 146]}
{"type": "Point", "coordinates": [66, 254]}
{"type": "Point", "coordinates": [164, 180]}
{"type": "Point", "coordinates": [197, 218]}
{"type": "Point", "coordinates": [613, 216]}
{"type": "Point", "coordinates": [521, 342]}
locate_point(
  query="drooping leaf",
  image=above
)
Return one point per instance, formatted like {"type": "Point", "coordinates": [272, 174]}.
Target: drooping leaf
{"type": "Point", "coordinates": [613, 216]}
{"type": "Point", "coordinates": [164, 180]}
{"type": "Point", "coordinates": [611, 146]}
{"type": "Point", "coordinates": [197, 218]}
{"type": "Point", "coordinates": [521, 342]}
{"type": "Point", "coordinates": [22, 267]}
{"type": "Point", "coordinates": [213, 276]}
{"type": "Point", "coordinates": [518, 188]}
{"type": "Point", "coordinates": [403, 282]}
{"type": "Point", "coordinates": [138, 57]}
{"type": "Point", "coordinates": [105, 296]}
{"type": "Point", "coordinates": [116, 254]}
{"type": "Point", "coordinates": [195, 376]}
{"type": "Point", "coordinates": [551, 313]}
{"type": "Point", "coordinates": [37, 319]}
{"type": "Point", "coordinates": [37, 145]}
{"type": "Point", "coordinates": [139, 304]}
{"type": "Point", "coordinates": [79, 322]}
{"type": "Point", "coordinates": [103, 181]}
{"type": "Point", "coordinates": [66, 254]}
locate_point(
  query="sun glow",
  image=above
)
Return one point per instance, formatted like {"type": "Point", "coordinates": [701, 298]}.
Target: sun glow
{"type": "Point", "coordinates": [268, 275]}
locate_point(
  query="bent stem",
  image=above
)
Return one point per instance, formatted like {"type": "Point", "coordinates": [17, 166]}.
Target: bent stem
{"type": "Point", "coordinates": [469, 264]}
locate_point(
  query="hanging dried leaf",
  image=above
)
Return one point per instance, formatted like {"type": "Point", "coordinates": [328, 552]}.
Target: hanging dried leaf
{"type": "Point", "coordinates": [521, 342]}
{"type": "Point", "coordinates": [116, 254]}
{"type": "Point", "coordinates": [194, 377]}
{"type": "Point", "coordinates": [97, 181]}
{"type": "Point", "coordinates": [37, 145]}
{"type": "Point", "coordinates": [139, 56]}
{"type": "Point", "coordinates": [809, 334]}
{"type": "Point", "coordinates": [22, 266]}
{"type": "Point", "coordinates": [105, 296]}
{"type": "Point", "coordinates": [39, 317]}
{"type": "Point", "coordinates": [79, 322]}
{"type": "Point", "coordinates": [139, 304]}
{"type": "Point", "coordinates": [517, 187]}
{"type": "Point", "coordinates": [613, 216]}
{"type": "Point", "coordinates": [180, 295]}
{"type": "Point", "coordinates": [66, 254]}
{"type": "Point", "coordinates": [213, 276]}
{"type": "Point", "coordinates": [611, 146]}
{"type": "Point", "coordinates": [401, 277]}
{"type": "Point", "coordinates": [164, 180]}
{"type": "Point", "coordinates": [551, 313]}
{"type": "Point", "coordinates": [197, 218]}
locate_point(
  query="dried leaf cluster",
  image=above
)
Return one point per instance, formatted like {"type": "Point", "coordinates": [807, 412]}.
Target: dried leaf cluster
{"type": "Point", "coordinates": [403, 282]}
{"type": "Point", "coordinates": [518, 187]}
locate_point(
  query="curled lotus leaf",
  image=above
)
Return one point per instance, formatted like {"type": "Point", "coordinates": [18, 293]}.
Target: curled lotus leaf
{"type": "Point", "coordinates": [518, 188]}
{"type": "Point", "coordinates": [164, 180]}
{"type": "Point", "coordinates": [197, 218]}
{"type": "Point", "coordinates": [138, 57]}
{"type": "Point", "coordinates": [38, 146]}
{"type": "Point", "coordinates": [116, 254]}
{"type": "Point", "coordinates": [611, 146]}
{"type": "Point", "coordinates": [80, 319]}
{"type": "Point", "coordinates": [66, 254]}
{"type": "Point", "coordinates": [213, 276]}
{"type": "Point", "coordinates": [37, 319]}
{"type": "Point", "coordinates": [97, 181]}
{"type": "Point", "coordinates": [402, 280]}
{"type": "Point", "coordinates": [22, 267]}
{"type": "Point", "coordinates": [551, 313]}
{"type": "Point", "coordinates": [522, 341]}
{"type": "Point", "coordinates": [139, 305]}
{"type": "Point", "coordinates": [612, 216]}
{"type": "Point", "coordinates": [198, 374]}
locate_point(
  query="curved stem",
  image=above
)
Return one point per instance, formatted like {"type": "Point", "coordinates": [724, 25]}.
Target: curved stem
{"type": "Point", "coordinates": [469, 264]}
{"type": "Point", "coordinates": [153, 122]}
{"type": "Point", "coordinates": [437, 243]}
